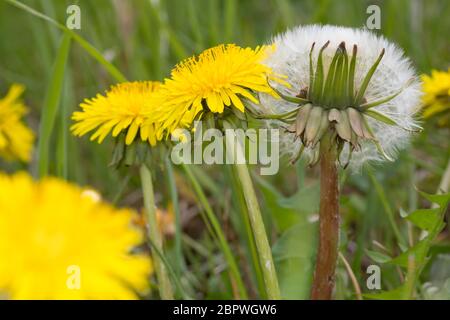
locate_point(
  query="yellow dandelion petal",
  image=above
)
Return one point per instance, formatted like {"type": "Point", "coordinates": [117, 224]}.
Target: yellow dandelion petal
{"type": "Point", "coordinates": [436, 98]}
{"type": "Point", "coordinates": [16, 139]}
{"type": "Point", "coordinates": [219, 77]}
{"type": "Point", "coordinates": [121, 109]}
{"type": "Point", "coordinates": [236, 101]}
{"type": "Point", "coordinates": [132, 132]}
{"type": "Point", "coordinates": [59, 241]}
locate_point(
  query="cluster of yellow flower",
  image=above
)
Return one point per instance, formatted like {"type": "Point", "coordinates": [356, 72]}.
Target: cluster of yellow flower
{"type": "Point", "coordinates": [219, 77]}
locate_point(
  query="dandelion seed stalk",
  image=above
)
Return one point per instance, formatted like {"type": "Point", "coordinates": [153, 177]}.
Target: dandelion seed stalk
{"type": "Point", "coordinates": [165, 288]}
{"type": "Point", "coordinates": [327, 253]}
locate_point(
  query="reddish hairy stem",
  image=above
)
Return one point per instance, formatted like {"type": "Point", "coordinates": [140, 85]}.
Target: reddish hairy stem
{"type": "Point", "coordinates": [327, 254]}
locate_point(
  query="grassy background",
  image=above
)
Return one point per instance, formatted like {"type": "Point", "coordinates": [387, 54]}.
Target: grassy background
{"type": "Point", "coordinates": [144, 39]}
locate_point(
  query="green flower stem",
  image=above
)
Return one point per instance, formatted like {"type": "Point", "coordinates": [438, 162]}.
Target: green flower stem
{"type": "Point", "coordinates": [176, 209]}
{"type": "Point", "coordinates": [327, 253]}
{"type": "Point", "coordinates": [257, 223]}
{"type": "Point", "coordinates": [242, 206]}
{"type": "Point", "coordinates": [214, 222]}
{"type": "Point", "coordinates": [165, 288]}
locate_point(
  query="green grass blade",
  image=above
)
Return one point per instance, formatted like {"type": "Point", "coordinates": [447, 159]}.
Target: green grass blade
{"type": "Point", "coordinates": [195, 25]}
{"type": "Point", "coordinates": [213, 21]}
{"type": "Point", "coordinates": [175, 44]}
{"type": "Point", "coordinates": [62, 142]}
{"type": "Point", "coordinates": [52, 101]}
{"type": "Point", "coordinates": [243, 215]}
{"type": "Point", "coordinates": [230, 20]}
{"type": "Point", "coordinates": [180, 265]}
{"type": "Point", "coordinates": [81, 41]}
{"type": "Point", "coordinates": [386, 205]}
{"type": "Point", "coordinates": [232, 264]}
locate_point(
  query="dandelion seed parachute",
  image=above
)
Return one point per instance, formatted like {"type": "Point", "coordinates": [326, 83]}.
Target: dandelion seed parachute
{"type": "Point", "coordinates": [394, 70]}
{"type": "Point", "coordinates": [51, 228]}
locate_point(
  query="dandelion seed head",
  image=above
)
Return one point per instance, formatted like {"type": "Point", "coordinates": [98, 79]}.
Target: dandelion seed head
{"type": "Point", "coordinates": [292, 60]}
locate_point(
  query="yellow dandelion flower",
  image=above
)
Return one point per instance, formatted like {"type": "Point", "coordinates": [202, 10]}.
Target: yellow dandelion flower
{"type": "Point", "coordinates": [16, 139]}
{"type": "Point", "coordinates": [121, 109]}
{"type": "Point", "coordinates": [436, 99]}
{"type": "Point", "coordinates": [219, 77]}
{"type": "Point", "coordinates": [58, 241]}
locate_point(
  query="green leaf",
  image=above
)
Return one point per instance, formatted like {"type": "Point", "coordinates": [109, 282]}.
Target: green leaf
{"type": "Point", "coordinates": [294, 255]}
{"type": "Point", "coordinates": [441, 199]}
{"type": "Point", "coordinates": [425, 219]}
{"type": "Point", "coordinates": [394, 294]}
{"type": "Point", "coordinates": [287, 212]}
{"type": "Point", "coordinates": [378, 257]}
{"type": "Point", "coordinates": [418, 252]}
{"type": "Point", "coordinates": [51, 104]}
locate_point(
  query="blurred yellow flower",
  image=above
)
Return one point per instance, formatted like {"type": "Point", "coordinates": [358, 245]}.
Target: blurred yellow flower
{"type": "Point", "coordinates": [16, 139]}
{"type": "Point", "coordinates": [120, 109]}
{"type": "Point", "coordinates": [436, 99]}
{"type": "Point", "coordinates": [218, 77]}
{"type": "Point", "coordinates": [58, 241]}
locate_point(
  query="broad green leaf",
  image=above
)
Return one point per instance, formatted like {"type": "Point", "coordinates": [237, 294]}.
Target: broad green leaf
{"type": "Point", "coordinates": [440, 199]}
{"type": "Point", "coordinates": [287, 212]}
{"type": "Point", "coordinates": [394, 294]}
{"type": "Point", "coordinates": [294, 255]}
{"type": "Point", "coordinates": [425, 219]}
{"type": "Point", "coordinates": [418, 252]}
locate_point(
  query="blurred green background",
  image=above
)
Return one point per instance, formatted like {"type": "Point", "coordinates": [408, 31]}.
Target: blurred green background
{"type": "Point", "coordinates": [145, 38]}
